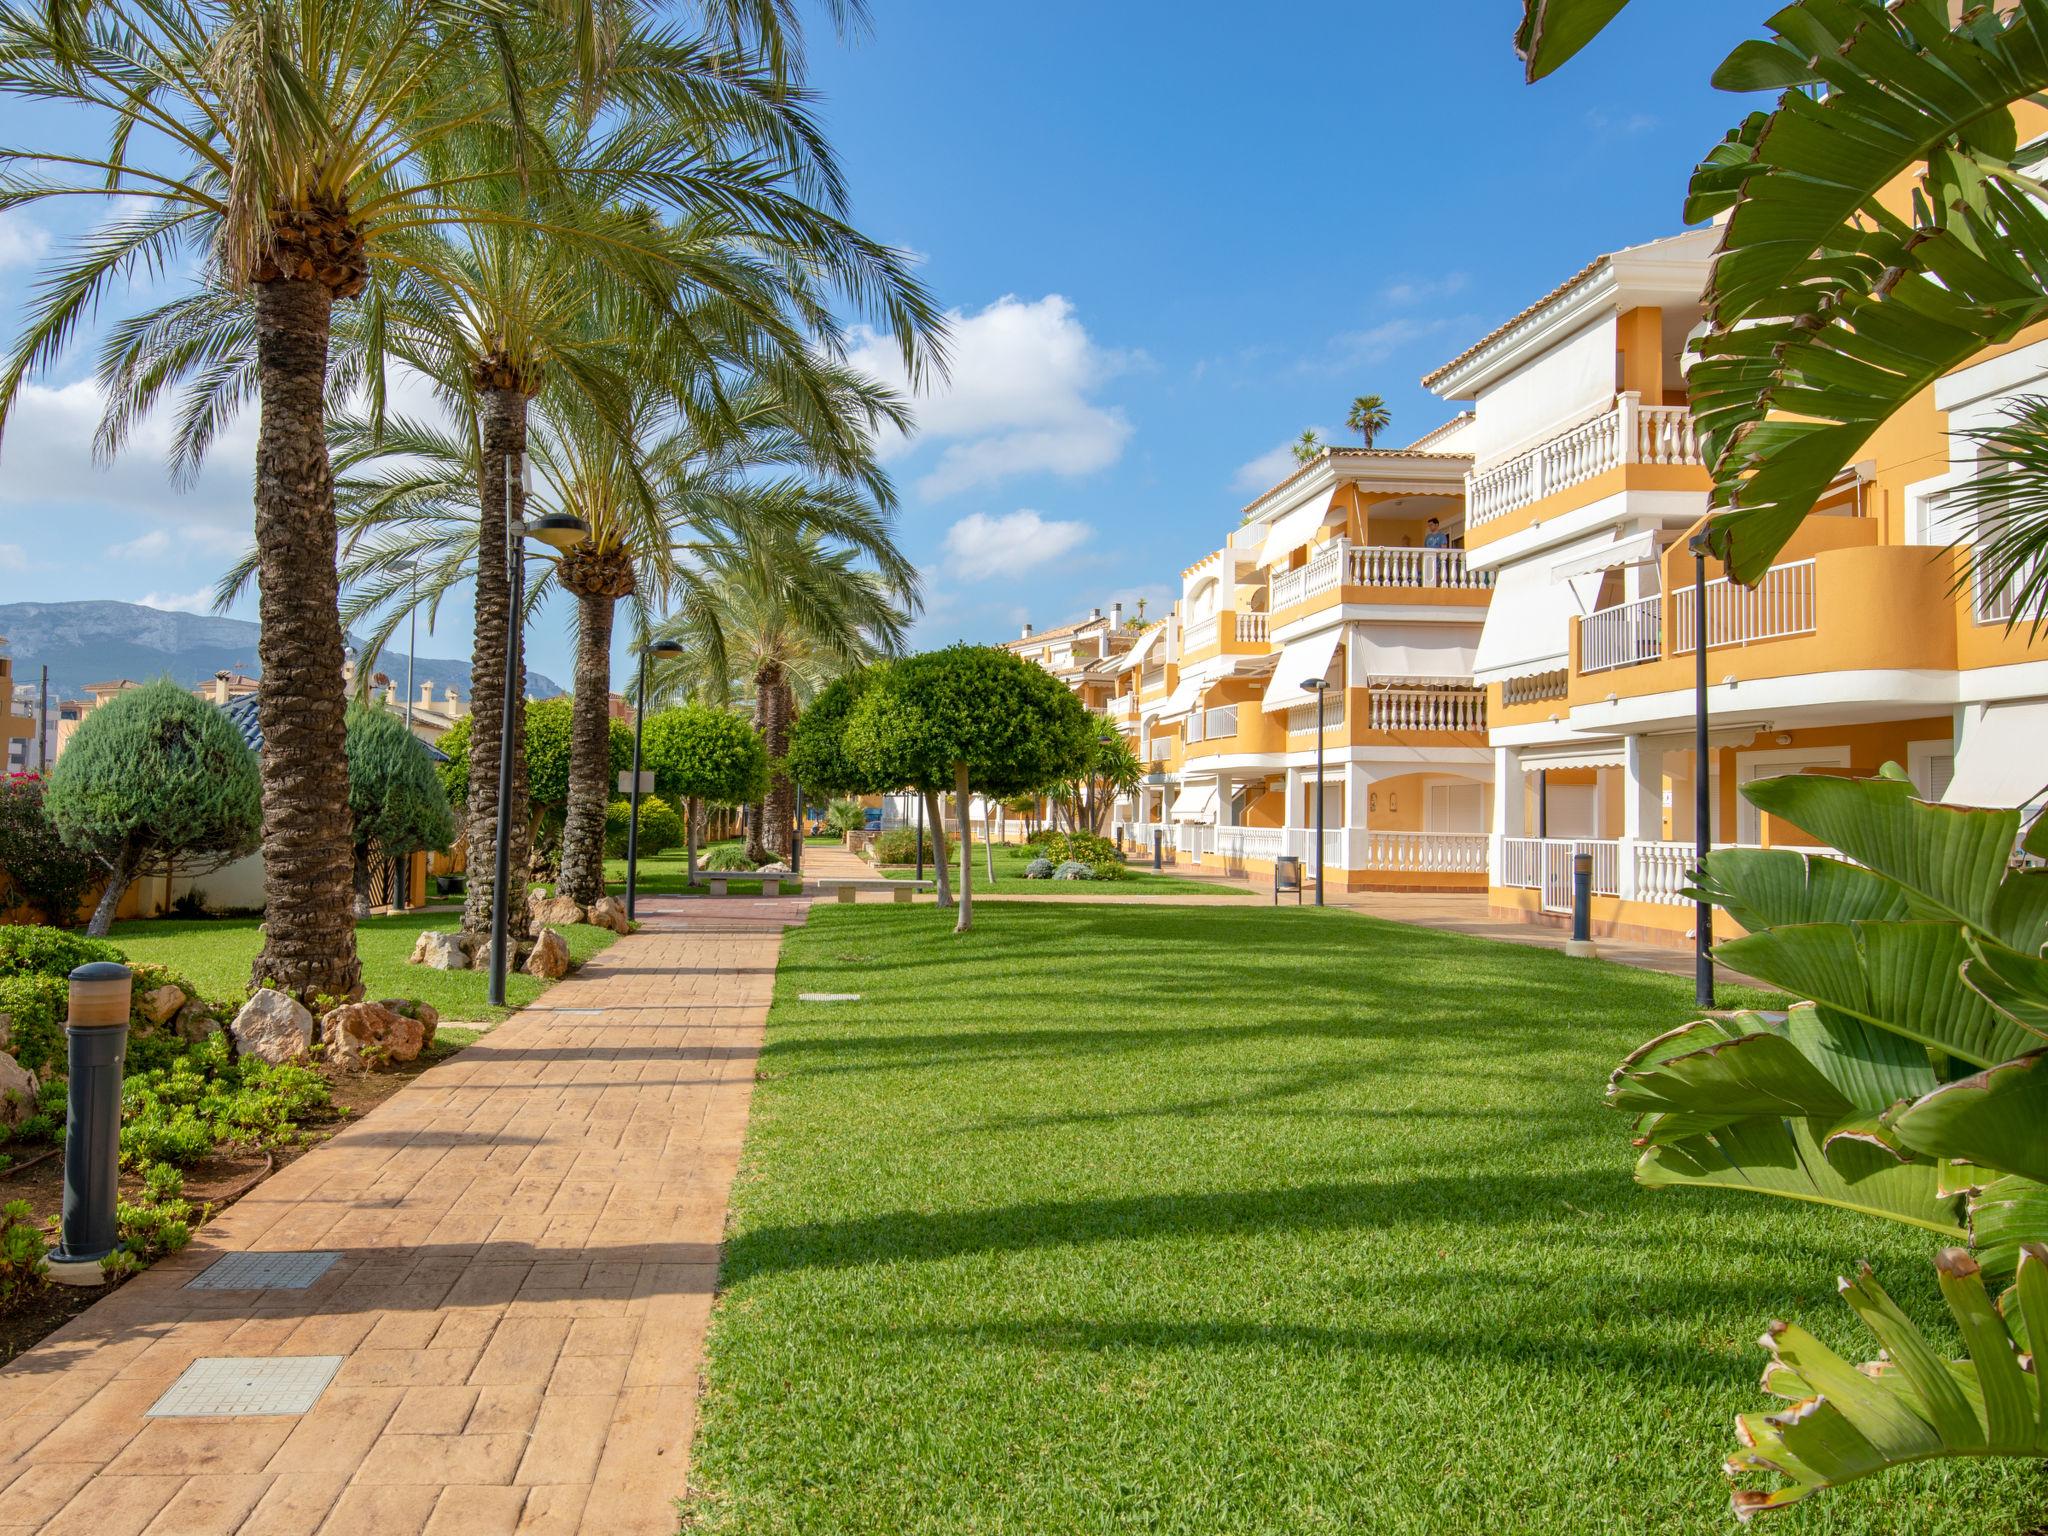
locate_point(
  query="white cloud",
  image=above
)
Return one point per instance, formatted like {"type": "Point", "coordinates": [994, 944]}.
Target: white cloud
{"type": "Point", "coordinates": [1274, 465]}
{"type": "Point", "coordinates": [13, 558]}
{"type": "Point", "coordinates": [21, 243]}
{"type": "Point", "coordinates": [1405, 295]}
{"type": "Point", "coordinates": [200, 601]}
{"type": "Point", "coordinates": [980, 546]}
{"type": "Point", "coordinates": [1017, 400]}
{"type": "Point", "coordinates": [153, 545]}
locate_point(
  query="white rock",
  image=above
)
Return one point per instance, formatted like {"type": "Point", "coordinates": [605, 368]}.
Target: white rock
{"type": "Point", "coordinates": [161, 1003]}
{"type": "Point", "coordinates": [442, 951]}
{"type": "Point", "coordinates": [550, 957]}
{"type": "Point", "coordinates": [779, 867]}
{"type": "Point", "coordinates": [17, 1091]}
{"type": "Point", "coordinates": [273, 1026]}
{"type": "Point", "coordinates": [561, 911]}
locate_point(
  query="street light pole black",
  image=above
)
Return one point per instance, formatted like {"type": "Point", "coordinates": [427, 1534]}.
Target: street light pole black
{"type": "Point", "coordinates": [1702, 799]}
{"type": "Point", "coordinates": [1321, 686]}
{"type": "Point", "coordinates": [662, 648]}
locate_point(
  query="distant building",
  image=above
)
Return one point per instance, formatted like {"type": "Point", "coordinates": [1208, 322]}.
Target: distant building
{"type": "Point", "coordinates": [17, 730]}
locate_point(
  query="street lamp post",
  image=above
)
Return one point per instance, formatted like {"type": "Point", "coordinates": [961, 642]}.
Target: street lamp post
{"type": "Point", "coordinates": [412, 642]}
{"type": "Point", "coordinates": [560, 531]}
{"type": "Point", "coordinates": [665, 649]}
{"type": "Point", "coordinates": [1320, 686]}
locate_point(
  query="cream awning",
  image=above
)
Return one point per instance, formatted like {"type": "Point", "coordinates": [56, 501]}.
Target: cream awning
{"type": "Point", "coordinates": [1528, 625]}
{"type": "Point", "coordinates": [2002, 760]}
{"type": "Point", "coordinates": [1294, 530]}
{"type": "Point", "coordinates": [1299, 660]}
{"type": "Point", "coordinates": [1597, 754]}
{"type": "Point", "coordinates": [1635, 549]}
{"type": "Point", "coordinates": [1195, 802]}
{"type": "Point", "coordinates": [1176, 703]}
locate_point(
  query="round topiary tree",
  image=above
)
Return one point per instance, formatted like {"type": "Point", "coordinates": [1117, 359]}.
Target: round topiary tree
{"type": "Point", "coordinates": [699, 754]}
{"type": "Point", "coordinates": [972, 718]}
{"type": "Point", "coordinates": [155, 782]}
{"type": "Point", "coordinates": [549, 727]}
{"type": "Point", "coordinates": [660, 827]}
{"type": "Point", "coordinates": [395, 800]}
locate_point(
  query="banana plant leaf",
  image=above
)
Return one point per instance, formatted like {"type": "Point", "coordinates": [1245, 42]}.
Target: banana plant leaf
{"type": "Point", "coordinates": [1786, 1158]}
{"type": "Point", "coordinates": [1997, 1119]}
{"type": "Point", "coordinates": [1764, 887]}
{"type": "Point", "coordinates": [1848, 1422]}
{"type": "Point", "coordinates": [2015, 984]}
{"type": "Point", "coordinates": [2005, 1215]}
{"type": "Point", "coordinates": [1553, 30]}
{"type": "Point", "coordinates": [1903, 977]}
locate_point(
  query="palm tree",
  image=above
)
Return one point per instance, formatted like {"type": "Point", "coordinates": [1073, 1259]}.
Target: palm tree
{"type": "Point", "coordinates": [277, 146]}
{"type": "Point", "coordinates": [1308, 447]}
{"type": "Point", "coordinates": [779, 618]}
{"type": "Point", "coordinates": [1369, 417]}
{"type": "Point", "coordinates": [491, 316]}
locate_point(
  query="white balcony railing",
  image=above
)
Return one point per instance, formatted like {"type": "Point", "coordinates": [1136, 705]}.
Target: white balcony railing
{"type": "Point", "coordinates": [1341, 562]}
{"type": "Point", "coordinates": [1541, 688]}
{"type": "Point", "coordinates": [1427, 709]}
{"type": "Point", "coordinates": [1631, 433]}
{"type": "Point", "coordinates": [1253, 626]}
{"type": "Point", "coordinates": [1780, 604]}
{"type": "Point", "coordinates": [1623, 636]}
{"type": "Point", "coordinates": [1198, 634]}
{"type": "Point", "coordinates": [1421, 853]}
{"type": "Point", "coordinates": [1302, 717]}
{"type": "Point", "coordinates": [1220, 721]}
{"type": "Point", "coordinates": [1663, 872]}
{"type": "Point", "coordinates": [1545, 864]}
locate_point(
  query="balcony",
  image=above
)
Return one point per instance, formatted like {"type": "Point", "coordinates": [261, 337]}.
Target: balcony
{"type": "Point", "coordinates": [1631, 433]}
{"type": "Point", "coordinates": [1236, 632]}
{"type": "Point", "coordinates": [1622, 637]}
{"type": "Point", "coordinates": [1414, 855]}
{"type": "Point", "coordinates": [1634, 869]}
{"type": "Point", "coordinates": [1427, 709]}
{"type": "Point", "coordinates": [1344, 564]}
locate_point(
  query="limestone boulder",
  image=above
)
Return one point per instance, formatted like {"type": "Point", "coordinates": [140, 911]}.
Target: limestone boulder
{"type": "Point", "coordinates": [195, 1022]}
{"type": "Point", "coordinates": [427, 1015]}
{"type": "Point", "coordinates": [536, 903]}
{"type": "Point", "coordinates": [441, 951]}
{"type": "Point", "coordinates": [779, 867]}
{"type": "Point", "coordinates": [274, 1027]}
{"type": "Point", "coordinates": [365, 1036]}
{"type": "Point", "coordinates": [17, 1091]}
{"type": "Point", "coordinates": [160, 1005]}
{"type": "Point", "coordinates": [559, 912]}
{"type": "Point", "coordinates": [609, 912]}
{"type": "Point", "coordinates": [550, 958]}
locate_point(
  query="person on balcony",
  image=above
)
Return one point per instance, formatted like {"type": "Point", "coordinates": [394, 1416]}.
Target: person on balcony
{"type": "Point", "coordinates": [1435, 537]}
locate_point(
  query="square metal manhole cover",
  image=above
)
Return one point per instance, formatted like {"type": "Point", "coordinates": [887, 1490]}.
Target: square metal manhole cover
{"type": "Point", "coordinates": [222, 1386]}
{"type": "Point", "coordinates": [262, 1272]}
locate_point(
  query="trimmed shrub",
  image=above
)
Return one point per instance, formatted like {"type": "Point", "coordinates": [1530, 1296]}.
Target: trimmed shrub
{"type": "Point", "coordinates": [1041, 837]}
{"type": "Point", "coordinates": [729, 858]}
{"type": "Point", "coordinates": [21, 1252]}
{"type": "Point", "coordinates": [660, 827]}
{"type": "Point", "coordinates": [1073, 869]}
{"type": "Point", "coordinates": [1110, 869]}
{"type": "Point", "coordinates": [1082, 848]}
{"type": "Point", "coordinates": [37, 1006]}
{"type": "Point", "coordinates": [30, 951]}
{"type": "Point", "coordinates": [37, 867]}
{"type": "Point", "coordinates": [1038, 869]}
{"type": "Point", "coordinates": [898, 845]}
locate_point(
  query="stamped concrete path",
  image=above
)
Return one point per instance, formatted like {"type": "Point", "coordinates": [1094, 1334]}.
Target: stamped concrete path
{"type": "Point", "coordinates": [525, 1243]}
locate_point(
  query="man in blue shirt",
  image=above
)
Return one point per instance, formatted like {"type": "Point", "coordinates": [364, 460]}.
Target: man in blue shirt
{"type": "Point", "coordinates": [1435, 537]}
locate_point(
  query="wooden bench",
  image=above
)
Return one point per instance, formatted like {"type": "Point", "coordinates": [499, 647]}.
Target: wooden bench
{"type": "Point", "coordinates": [848, 886]}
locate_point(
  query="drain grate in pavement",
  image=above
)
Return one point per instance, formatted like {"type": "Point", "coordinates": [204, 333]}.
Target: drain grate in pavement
{"type": "Point", "coordinates": [223, 1386]}
{"type": "Point", "coordinates": [262, 1272]}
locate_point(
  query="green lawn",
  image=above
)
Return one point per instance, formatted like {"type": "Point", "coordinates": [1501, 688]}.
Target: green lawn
{"type": "Point", "coordinates": [1203, 1220]}
{"type": "Point", "coordinates": [217, 955]}
{"type": "Point", "coordinates": [1010, 881]}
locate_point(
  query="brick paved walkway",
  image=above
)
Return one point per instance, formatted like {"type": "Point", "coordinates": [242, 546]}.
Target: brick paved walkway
{"type": "Point", "coordinates": [528, 1240]}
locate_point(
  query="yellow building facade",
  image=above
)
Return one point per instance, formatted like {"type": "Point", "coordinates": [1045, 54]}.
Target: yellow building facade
{"type": "Point", "coordinates": [1860, 646]}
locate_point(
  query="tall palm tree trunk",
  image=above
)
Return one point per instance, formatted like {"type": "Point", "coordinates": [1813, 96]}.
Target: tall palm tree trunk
{"type": "Point", "coordinates": [590, 751]}
{"type": "Point", "coordinates": [309, 938]}
{"type": "Point", "coordinates": [769, 817]}
{"type": "Point", "coordinates": [503, 426]}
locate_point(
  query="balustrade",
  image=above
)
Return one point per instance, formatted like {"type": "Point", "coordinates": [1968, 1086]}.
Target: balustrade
{"type": "Point", "coordinates": [1427, 709]}
{"type": "Point", "coordinates": [1631, 433]}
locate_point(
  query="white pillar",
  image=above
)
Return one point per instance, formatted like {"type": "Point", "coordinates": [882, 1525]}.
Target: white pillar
{"type": "Point", "coordinates": [1508, 818]}
{"type": "Point", "coordinates": [1642, 805]}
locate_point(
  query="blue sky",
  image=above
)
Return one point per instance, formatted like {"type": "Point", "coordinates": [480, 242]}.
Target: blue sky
{"type": "Point", "coordinates": [1173, 236]}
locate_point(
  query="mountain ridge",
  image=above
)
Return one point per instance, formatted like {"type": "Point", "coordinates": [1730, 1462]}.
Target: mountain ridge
{"type": "Point", "coordinates": [99, 640]}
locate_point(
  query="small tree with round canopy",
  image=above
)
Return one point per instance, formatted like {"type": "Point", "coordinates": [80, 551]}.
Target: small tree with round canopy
{"type": "Point", "coordinates": [975, 719]}
{"type": "Point", "coordinates": [395, 799]}
{"type": "Point", "coordinates": [155, 782]}
{"type": "Point", "coordinates": [699, 753]}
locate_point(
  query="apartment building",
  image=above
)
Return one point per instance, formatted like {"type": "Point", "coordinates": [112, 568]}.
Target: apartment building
{"type": "Point", "coordinates": [17, 727]}
{"type": "Point", "coordinates": [1858, 647]}
{"type": "Point", "coordinates": [1344, 590]}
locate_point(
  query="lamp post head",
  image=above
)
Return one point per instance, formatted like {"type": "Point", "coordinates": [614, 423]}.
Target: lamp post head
{"type": "Point", "coordinates": [1315, 684]}
{"type": "Point", "coordinates": [664, 650]}
{"type": "Point", "coordinates": [561, 530]}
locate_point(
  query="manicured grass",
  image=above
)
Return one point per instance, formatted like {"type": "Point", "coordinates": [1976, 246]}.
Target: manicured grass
{"type": "Point", "coordinates": [1199, 1220]}
{"type": "Point", "coordinates": [217, 955]}
{"type": "Point", "coordinates": [1011, 862]}
{"type": "Point", "coordinates": [662, 874]}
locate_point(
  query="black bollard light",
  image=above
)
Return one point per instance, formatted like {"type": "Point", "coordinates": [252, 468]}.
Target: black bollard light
{"type": "Point", "coordinates": [1158, 843]}
{"type": "Point", "coordinates": [96, 1041]}
{"type": "Point", "coordinates": [1581, 942]}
